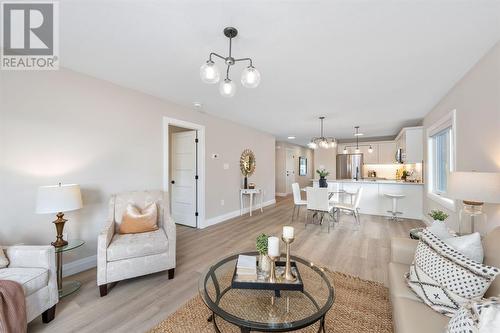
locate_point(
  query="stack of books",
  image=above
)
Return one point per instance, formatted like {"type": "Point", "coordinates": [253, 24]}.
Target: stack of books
{"type": "Point", "coordinates": [246, 268]}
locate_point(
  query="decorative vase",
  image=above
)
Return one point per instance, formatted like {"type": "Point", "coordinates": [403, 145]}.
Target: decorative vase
{"type": "Point", "coordinates": [245, 183]}
{"type": "Point", "coordinates": [264, 264]}
{"type": "Point", "coordinates": [322, 182]}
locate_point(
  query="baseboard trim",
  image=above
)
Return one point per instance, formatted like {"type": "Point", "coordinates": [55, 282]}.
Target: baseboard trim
{"type": "Point", "coordinates": [233, 214]}
{"type": "Point", "coordinates": [281, 194]}
{"type": "Point", "coordinates": [79, 265]}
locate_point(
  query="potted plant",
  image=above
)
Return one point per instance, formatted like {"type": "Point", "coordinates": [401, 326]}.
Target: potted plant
{"type": "Point", "coordinates": [322, 177]}
{"type": "Point", "coordinates": [438, 215]}
{"type": "Point", "coordinates": [261, 245]}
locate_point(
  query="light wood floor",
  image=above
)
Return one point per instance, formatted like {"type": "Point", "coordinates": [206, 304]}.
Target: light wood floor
{"type": "Point", "coordinates": [138, 304]}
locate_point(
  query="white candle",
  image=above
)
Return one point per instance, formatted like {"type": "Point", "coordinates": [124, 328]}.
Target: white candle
{"type": "Point", "coordinates": [287, 232]}
{"type": "Point", "coordinates": [273, 246]}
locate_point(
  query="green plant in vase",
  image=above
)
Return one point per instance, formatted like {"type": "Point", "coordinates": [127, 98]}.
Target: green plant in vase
{"type": "Point", "coordinates": [322, 177]}
{"type": "Point", "coordinates": [438, 215]}
{"type": "Point", "coordinates": [261, 245]}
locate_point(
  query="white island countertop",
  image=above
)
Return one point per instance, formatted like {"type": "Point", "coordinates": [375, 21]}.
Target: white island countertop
{"type": "Point", "coordinates": [371, 181]}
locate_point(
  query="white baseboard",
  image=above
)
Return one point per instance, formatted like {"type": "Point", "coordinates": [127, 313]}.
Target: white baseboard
{"type": "Point", "coordinates": [281, 194]}
{"type": "Point", "coordinates": [79, 265]}
{"type": "Point", "coordinates": [233, 214]}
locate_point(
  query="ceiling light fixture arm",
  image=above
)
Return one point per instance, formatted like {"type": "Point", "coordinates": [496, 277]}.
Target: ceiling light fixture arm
{"type": "Point", "coordinates": [215, 54]}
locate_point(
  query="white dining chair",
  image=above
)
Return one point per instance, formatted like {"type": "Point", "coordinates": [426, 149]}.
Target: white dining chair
{"type": "Point", "coordinates": [347, 207]}
{"type": "Point", "coordinates": [319, 203]}
{"type": "Point", "coordinates": [333, 191]}
{"type": "Point", "coordinates": [297, 200]}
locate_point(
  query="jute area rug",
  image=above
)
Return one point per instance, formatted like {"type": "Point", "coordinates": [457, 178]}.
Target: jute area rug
{"type": "Point", "coordinates": [360, 306]}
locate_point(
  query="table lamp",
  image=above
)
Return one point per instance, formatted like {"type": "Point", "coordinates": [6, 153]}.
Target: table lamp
{"type": "Point", "coordinates": [474, 189]}
{"type": "Point", "coordinates": [58, 199]}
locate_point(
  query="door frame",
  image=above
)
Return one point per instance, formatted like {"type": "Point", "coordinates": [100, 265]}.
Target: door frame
{"type": "Point", "coordinates": [200, 156]}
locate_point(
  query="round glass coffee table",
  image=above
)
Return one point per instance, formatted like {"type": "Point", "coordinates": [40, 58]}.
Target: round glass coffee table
{"type": "Point", "coordinates": [261, 310]}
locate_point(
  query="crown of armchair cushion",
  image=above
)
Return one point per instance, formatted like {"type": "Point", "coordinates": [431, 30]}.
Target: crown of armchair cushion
{"type": "Point", "coordinates": [129, 246]}
{"type": "Point", "coordinates": [32, 279]}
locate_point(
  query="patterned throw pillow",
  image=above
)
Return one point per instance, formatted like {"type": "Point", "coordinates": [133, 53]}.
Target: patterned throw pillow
{"type": "Point", "coordinates": [476, 317]}
{"type": "Point", "coordinates": [4, 262]}
{"type": "Point", "coordinates": [444, 278]}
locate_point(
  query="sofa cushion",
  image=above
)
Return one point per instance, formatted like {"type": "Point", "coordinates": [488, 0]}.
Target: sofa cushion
{"type": "Point", "coordinates": [444, 278]}
{"type": "Point", "coordinates": [32, 279]}
{"type": "Point", "coordinates": [412, 316]}
{"type": "Point", "coordinates": [477, 317]}
{"type": "Point", "coordinates": [397, 281]}
{"type": "Point", "coordinates": [128, 246]}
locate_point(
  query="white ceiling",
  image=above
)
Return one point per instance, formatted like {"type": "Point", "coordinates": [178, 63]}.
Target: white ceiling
{"type": "Point", "coordinates": [377, 64]}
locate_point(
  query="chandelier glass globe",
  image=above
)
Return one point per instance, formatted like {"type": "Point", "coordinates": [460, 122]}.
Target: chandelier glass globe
{"type": "Point", "coordinates": [312, 145]}
{"type": "Point", "coordinates": [227, 88]}
{"type": "Point", "coordinates": [209, 73]}
{"type": "Point", "coordinates": [250, 77]}
{"type": "Point", "coordinates": [333, 144]}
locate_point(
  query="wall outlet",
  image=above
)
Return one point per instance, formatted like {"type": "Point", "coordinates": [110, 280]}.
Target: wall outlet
{"type": "Point", "coordinates": [222, 202]}
{"type": "Point", "coordinates": [226, 166]}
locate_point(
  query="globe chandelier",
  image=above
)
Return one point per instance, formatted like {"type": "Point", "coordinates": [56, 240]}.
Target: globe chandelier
{"type": "Point", "coordinates": [250, 77]}
{"type": "Point", "coordinates": [322, 141]}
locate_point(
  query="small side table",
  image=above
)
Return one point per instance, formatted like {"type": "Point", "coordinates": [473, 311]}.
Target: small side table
{"type": "Point", "coordinates": [250, 192]}
{"type": "Point", "coordinates": [66, 287]}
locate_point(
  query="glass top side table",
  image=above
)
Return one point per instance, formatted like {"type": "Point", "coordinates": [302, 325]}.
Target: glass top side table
{"type": "Point", "coordinates": [66, 287]}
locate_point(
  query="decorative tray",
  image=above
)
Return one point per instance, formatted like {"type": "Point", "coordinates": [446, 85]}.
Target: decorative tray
{"type": "Point", "coordinates": [262, 283]}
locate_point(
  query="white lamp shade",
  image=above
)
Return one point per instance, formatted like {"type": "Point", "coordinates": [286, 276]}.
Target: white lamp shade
{"type": "Point", "coordinates": [58, 198]}
{"type": "Point", "coordinates": [475, 186]}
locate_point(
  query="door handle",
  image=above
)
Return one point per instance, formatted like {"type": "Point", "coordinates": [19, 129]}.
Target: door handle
{"type": "Point", "coordinates": [172, 182]}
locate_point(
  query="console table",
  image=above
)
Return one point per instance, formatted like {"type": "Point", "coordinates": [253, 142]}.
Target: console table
{"type": "Point", "coordinates": [251, 193]}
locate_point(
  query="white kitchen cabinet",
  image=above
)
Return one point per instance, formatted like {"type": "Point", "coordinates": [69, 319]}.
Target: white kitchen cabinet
{"type": "Point", "coordinates": [387, 152]}
{"type": "Point", "coordinates": [370, 158]}
{"type": "Point", "coordinates": [410, 140]}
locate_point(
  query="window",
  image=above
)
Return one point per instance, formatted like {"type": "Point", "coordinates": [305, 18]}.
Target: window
{"type": "Point", "coordinates": [442, 156]}
{"type": "Point", "coordinates": [441, 159]}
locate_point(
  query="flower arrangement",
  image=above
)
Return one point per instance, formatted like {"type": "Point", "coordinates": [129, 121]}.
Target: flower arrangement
{"type": "Point", "coordinates": [438, 215]}
{"type": "Point", "coordinates": [322, 173]}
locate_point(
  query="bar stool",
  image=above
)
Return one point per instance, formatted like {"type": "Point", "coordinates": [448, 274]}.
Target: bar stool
{"type": "Point", "coordinates": [394, 211]}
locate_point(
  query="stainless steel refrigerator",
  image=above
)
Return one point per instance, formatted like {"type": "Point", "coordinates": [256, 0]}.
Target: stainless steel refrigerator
{"type": "Point", "coordinates": [349, 166]}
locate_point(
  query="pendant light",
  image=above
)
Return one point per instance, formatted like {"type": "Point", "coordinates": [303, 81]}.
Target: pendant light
{"type": "Point", "coordinates": [209, 73]}
{"type": "Point", "coordinates": [322, 141]}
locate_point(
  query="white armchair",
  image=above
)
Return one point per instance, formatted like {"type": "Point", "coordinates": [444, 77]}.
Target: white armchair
{"type": "Point", "coordinates": [34, 267]}
{"type": "Point", "coordinates": [124, 256]}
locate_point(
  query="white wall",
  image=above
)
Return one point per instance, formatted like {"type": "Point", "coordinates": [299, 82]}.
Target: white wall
{"type": "Point", "coordinates": [476, 99]}
{"type": "Point", "coordinates": [299, 151]}
{"type": "Point", "coordinates": [67, 127]}
{"type": "Point", "coordinates": [326, 158]}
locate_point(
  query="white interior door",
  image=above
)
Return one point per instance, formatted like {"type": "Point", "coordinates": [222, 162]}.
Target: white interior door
{"type": "Point", "coordinates": [289, 170]}
{"type": "Point", "coordinates": [183, 182]}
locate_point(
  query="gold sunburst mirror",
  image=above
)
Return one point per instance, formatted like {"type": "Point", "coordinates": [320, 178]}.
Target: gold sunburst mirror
{"type": "Point", "coordinates": [247, 164]}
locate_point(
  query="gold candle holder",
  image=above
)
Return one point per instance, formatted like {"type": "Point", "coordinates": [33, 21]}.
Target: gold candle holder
{"type": "Point", "coordinates": [272, 273]}
{"type": "Point", "coordinates": [288, 275]}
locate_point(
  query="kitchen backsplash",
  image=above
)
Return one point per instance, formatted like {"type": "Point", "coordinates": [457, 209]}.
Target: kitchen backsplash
{"type": "Point", "coordinates": [389, 170]}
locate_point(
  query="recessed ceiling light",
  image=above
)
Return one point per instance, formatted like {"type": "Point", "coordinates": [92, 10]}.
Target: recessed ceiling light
{"type": "Point", "coordinates": [291, 138]}
{"type": "Point", "coordinates": [197, 105]}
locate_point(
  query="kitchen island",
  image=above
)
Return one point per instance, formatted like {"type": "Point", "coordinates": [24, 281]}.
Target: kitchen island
{"type": "Point", "coordinates": [374, 202]}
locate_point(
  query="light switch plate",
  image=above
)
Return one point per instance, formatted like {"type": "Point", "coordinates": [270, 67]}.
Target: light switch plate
{"type": "Point", "coordinates": [226, 166]}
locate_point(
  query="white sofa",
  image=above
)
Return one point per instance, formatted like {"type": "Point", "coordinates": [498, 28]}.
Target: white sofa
{"type": "Point", "coordinates": [34, 268]}
{"type": "Point", "coordinates": [411, 315]}
{"type": "Point", "coordinates": [121, 257]}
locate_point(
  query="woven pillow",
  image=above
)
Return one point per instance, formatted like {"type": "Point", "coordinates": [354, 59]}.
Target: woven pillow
{"type": "Point", "coordinates": [476, 317]}
{"type": "Point", "coordinates": [4, 262]}
{"type": "Point", "coordinates": [444, 278]}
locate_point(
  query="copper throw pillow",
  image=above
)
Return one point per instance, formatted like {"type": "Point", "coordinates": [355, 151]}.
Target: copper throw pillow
{"type": "Point", "coordinates": [136, 221]}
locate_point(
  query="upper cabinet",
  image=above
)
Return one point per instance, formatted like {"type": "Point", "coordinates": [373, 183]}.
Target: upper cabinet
{"type": "Point", "coordinates": [387, 152]}
{"type": "Point", "coordinates": [410, 140]}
